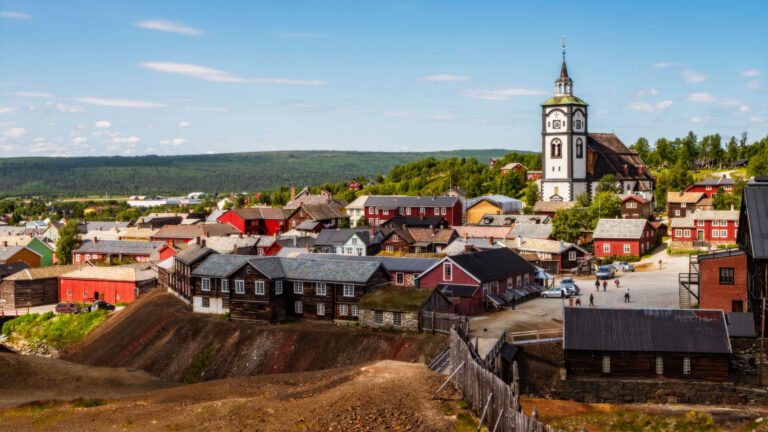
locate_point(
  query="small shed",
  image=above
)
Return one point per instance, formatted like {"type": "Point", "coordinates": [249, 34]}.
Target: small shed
{"type": "Point", "coordinates": [400, 307]}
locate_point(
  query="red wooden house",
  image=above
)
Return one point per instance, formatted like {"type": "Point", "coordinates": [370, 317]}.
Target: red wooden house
{"type": "Point", "coordinates": [512, 167]}
{"type": "Point", "coordinates": [711, 226]}
{"type": "Point", "coordinates": [139, 251]}
{"type": "Point", "coordinates": [180, 235]}
{"type": "Point", "coordinates": [257, 220]}
{"type": "Point", "coordinates": [381, 208]}
{"type": "Point", "coordinates": [468, 279]}
{"type": "Point", "coordinates": [709, 186]}
{"type": "Point", "coordinates": [623, 237]}
{"type": "Point", "coordinates": [354, 185]}
{"type": "Point", "coordinates": [112, 284]}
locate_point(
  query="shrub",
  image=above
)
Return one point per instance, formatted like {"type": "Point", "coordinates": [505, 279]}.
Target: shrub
{"type": "Point", "coordinates": [56, 330]}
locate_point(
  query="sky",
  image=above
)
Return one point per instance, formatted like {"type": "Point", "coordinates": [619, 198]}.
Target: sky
{"type": "Point", "coordinates": [82, 78]}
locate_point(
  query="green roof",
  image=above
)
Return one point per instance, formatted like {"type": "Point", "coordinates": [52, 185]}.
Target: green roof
{"type": "Point", "coordinates": [562, 100]}
{"type": "Point", "coordinates": [395, 298]}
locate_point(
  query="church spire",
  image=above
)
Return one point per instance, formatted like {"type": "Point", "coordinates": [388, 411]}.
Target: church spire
{"type": "Point", "coordinates": [564, 84]}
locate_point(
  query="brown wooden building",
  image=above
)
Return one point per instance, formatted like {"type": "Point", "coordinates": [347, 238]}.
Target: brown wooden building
{"type": "Point", "coordinates": [646, 343]}
{"type": "Point", "coordinates": [33, 286]}
{"type": "Point", "coordinates": [683, 204]}
{"type": "Point", "coordinates": [636, 207]}
{"type": "Point", "coordinates": [752, 238]}
{"type": "Point", "coordinates": [319, 216]}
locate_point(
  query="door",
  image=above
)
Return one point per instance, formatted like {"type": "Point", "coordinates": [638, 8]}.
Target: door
{"type": "Point", "coordinates": [700, 235]}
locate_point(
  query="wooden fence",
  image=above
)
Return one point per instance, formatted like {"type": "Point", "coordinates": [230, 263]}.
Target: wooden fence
{"type": "Point", "coordinates": [442, 322]}
{"type": "Point", "coordinates": [496, 403]}
{"type": "Point", "coordinates": [535, 335]}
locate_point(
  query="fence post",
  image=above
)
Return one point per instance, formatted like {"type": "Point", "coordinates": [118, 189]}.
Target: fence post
{"type": "Point", "coordinates": [433, 322]}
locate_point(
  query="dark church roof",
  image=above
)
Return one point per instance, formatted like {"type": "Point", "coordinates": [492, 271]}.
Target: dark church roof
{"type": "Point", "coordinates": [611, 156]}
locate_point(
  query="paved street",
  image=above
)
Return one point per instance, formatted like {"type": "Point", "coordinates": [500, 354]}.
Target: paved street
{"type": "Point", "coordinates": [652, 288]}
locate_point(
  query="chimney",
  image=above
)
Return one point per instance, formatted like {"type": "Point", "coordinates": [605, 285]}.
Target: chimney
{"type": "Point", "coordinates": [433, 229]}
{"type": "Point", "coordinates": [732, 207]}
{"type": "Point", "coordinates": [465, 235]}
{"type": "Point", "coordinates": [434, 195]}
{"type": "Point", "coordinates": [240, 235]}
{"type": "Point", "coordinates": [626, 169]}
{"type": "Point", "coordinates": [467, 248]}
{"type": "Point", "coordinates": [95, 239]}
{"type": "Point", "coordinates": [562, 244]}
{"type": "Point", "coordinates": [307, 247]}
{"type": "Point", "coordinates": [490, 241]}
{"type": "Point", "coordinates": [373, 232]}
{"type": "Point", "coordinates": [293, 192]}
{"type": "Point", "coordinates": [202, 242]}
{"type": "Point", "coordinates": [197, 240]}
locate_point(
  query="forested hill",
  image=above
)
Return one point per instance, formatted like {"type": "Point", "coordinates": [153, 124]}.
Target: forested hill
{"type": "Point", "coordinates": [232, 172]}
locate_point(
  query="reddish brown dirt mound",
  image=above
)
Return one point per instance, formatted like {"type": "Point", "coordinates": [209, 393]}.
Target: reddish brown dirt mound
{"type": "Point", "coordinates": [379, 396]}
{"type": "Point", "coordinates": [160, 335]}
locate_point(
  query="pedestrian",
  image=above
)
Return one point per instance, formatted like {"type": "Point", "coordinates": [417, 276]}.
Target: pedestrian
{"type": "Point", "coordinates": [659, 264]}
{"type": "Point", "coordinates": [597, 284]}
{"type": "Point", "coordinates": [605, 286]}
{"type": "Point", "coordinates": [578, 302]}
{"type": "Point", "coordinates": [626, 296]}
{"type": "Point", "coordinates": [591, 300]}
{"type": "Point", "coordinates": [616, 282]}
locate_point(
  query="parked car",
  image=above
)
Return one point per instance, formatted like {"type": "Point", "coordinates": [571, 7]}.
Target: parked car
{"type": "Point", "coordinates": [581, 268]}
{"type": "Point", "coordinates": [605, 272]}
{"type": "Point", "coordinates": [558, 292]}
{"type": "Point", "coordinates": [570, 289]}
{"type": "Point", "coordinates": [67, 308]}
{"type": "Point", "coordinates": [101, 304]}
{"type": "Point", "coordinates": [568, 282]}
{"type": "Point", "coordinates": [623, 266]}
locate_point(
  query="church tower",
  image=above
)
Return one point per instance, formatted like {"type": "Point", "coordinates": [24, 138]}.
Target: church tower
{"type": "Point", "coordinates": [564, 142]}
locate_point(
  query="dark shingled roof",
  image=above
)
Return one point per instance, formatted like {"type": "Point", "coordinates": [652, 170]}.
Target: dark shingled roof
{"type": "Point", "coordinates": [415, 222]}
{"type": "Point", "coordinates": [127, 247]}
{"type": "Point", "coordinates": [754, 206]}
{"type": "Point", "coordinates": [393, 202]}
{"type": "Point", "coordinates": [217, 265]}
{"type": "Point", "coordinates": [403, 264]}
{"type": "Point", "coordinates": [11, 268]}
{"type": "Point", "coordinates": [611, 157]}
{"type": "Point", "coordinates": [645, 330]}
{"type": "Point", "coordinates": [192, 253]}
{"type": "Point", "coordinates": [451, 290]}
{"type": "Point", "coordinates": [741, 324]}
{"type": "Point", "coordinates": [493, 264]}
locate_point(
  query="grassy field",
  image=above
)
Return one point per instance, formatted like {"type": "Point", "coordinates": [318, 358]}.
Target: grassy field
{"type": "Point", "coordinates": [55, 330]}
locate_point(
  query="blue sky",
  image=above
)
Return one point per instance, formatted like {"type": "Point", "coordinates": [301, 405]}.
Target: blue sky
{"type": "Point", "coordinates": [176, 77]}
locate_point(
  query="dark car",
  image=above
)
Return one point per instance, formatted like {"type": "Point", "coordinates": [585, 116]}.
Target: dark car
{"type": "Point", "coordinates": [101, 304]}
{"type": "Point", "coordinates": [67, 308]}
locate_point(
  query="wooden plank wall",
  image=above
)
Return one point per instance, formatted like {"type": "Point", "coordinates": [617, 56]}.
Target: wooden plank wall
{"type": "Point", "coordinates": [442, 322]}
{"type": "Point", "coordinates": [477, 384]}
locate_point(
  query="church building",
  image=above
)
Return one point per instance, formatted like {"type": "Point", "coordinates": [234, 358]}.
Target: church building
{"type": "Point", "coordinates": [574, 160]}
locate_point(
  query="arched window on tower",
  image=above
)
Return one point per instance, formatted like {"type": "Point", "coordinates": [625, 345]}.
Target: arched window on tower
{"type": "Point", "coordinates": [557, 148]}
{"type": "Point", "coordinates": [579, 148]}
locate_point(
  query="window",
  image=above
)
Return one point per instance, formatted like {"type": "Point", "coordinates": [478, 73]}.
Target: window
{"type": "Point", "coordinates": [422, 210]}
{"type": "Point", "coordinates": [397, 319]}
{"type": "Point", "coordinates": [343, 310]}
{"type": "Point", "coordinates": [87, 257]}
{"type": "Point", "coordinates": [69, 293]}
{"type": "Point", "coordinates": [579, 147]}
{"type": "Point", "coordinates": [659, 365]}
{"type": "Point", "coordinates": [709, 188]}
{"type": "Point", "coordinates": [85, 294]}
{"type": "Point", "coordinates": [298, 287]}
{"type": "Point", "coordinates": [354, 310]}
{"type": "Point", "coordinates": [485, 288]}
{"type": "Point", "coordinates": [686, 365]}
{"type": "Point", "coordinates": [700, 223]}
{"type": "Point", "coordinates": [556, 148]}
{"type": "Point", "coordinates": [525, 278]}
{"type": "Point", "coordinates": [399, 278]}
{"type": "Point", "coordinates": [389, 249]}
{"type": "Point", "coordinates": [626, 248]}
{"type": "Point", "coordinates": [206, 302]}
{"type": "Point", "coordinates": [737, 306]}
{"type": "Point", "coordinates": [239, 287]}
{"type": "Point", "coordinates": [631, 204]}
{"type": "Point", "coordinates": [443, 211]}
{"type": "Point", "coordinates": [349, 290]}
{"type": "Point", "coordinates": [320, 288]}
{"type": "Point", "coordinates": [349, 251]}
{"type": "Point", "coordinates": [278, 287]}
{"type": "Point", "coordinates": [117, 296]}
{"type": "Point", "coordinates": [447, 271]}
{"type": "Point", "coordinates": [77, 257]}
{"type": "Point", "coordinates": [606, 364]}
{"type": "Point", "coordinates": [687, 233]}
{"type": "Point", "coordinates": [407, 210]}
{"type": "Point", "coordinates": [394, 238]}
{"type": "Point", "coordinates": [378, 317]}
{"type": "Point", "coordinates": [320, 309]}
{"type": "Point", "coordinates": [606, 247]}
{"type": "Point", "coordinates": [678, 232]}
{"type": "Point", "coordinates": [682, 205]}
{"type": "Point", "coordinates": [385, 212]}
{"type": "Point", "coordinates": [715, 233]}
{"type": "Point", "coordinates": [359, 251]}
{"type": "Point", "coordinates": [495, 286]}
{"type": "Point", "coordinates": [677, 212]}
{"type": "Point", "coordinates": [571, 255]}
{"type": "Point", "coordinates": [723, 233]}
{"type": "Point", "coordinates": [726, 275]}
{"type": "Point", "coordinates": [510, 283]}
{"type": "Point", "coordinates": [225, 285]}
{"type": "Point", "coordinates": [716, 223]}
{"type": "Point", "coordinates": [298, 307]}
{"type": "Point", "coordinates": [258, 287]}
{"type": "Point", "coordinates": [205, 284]}
{"type": "Point", "coordinates": [371, 221]}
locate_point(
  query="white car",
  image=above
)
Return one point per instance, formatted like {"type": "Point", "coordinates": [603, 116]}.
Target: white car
{"type": "Point", "coordinates": [557, 292]}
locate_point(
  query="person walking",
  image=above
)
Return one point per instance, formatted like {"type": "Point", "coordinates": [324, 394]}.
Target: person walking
{"type": "Point", "coordinates": [616, 282]}
{"type": "Point", "coordinates": [591, 300]}
{"type": "Point", "coordinates": [605, 286]}
{"type": "Point", "coordinates": [578, 302]}
{"type": "Point", "coordinates": [659, 264]}
{"type": "Point", "coordinates": [626, 296]}
{"type": "Point", "coordinates": [597, 284]}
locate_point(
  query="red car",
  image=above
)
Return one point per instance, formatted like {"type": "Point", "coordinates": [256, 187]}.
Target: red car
{"type": "Point", "coordinates": [67, 308]}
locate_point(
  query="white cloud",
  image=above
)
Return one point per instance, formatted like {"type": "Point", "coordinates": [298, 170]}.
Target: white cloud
{"type": "Point", "coordinates": [105, 133]}
{"type": "Point", "coordinates": [445, 78]}
{"type": "Point", "coordinates": [14, 15]}
{"type": "Point", "coordinates": [750, 73]}
{"type": "Point", "coordinates": [123, 103]}
{"type": "Point", "coordinates": [653, 92]}
{"type": "Point", "coordinates": [169, 26]}
{"type": "Point", "coordinates": [184, 124]}
{"type": "Point", "coordinates": [125, 140]}
{"type": "Point", "coordinates": [752, 85]}
{"type": "Point", "coordinates": [692, 76]}
{"type": "Point", "coordinates": [642, 93]}
{"type": "Point", "coordinates": [744, 109]}
{"type": "Point", "coordinates": [699, 119]}
{"type": "Point", "coordinates": [103, 124]}
{"type": "Point", "coordinates": [269, 129]}
{"type": "Point", "coordinates": [60, 107]}
{"type": "Point", "coordinates": [756, 119]}
{"type": "Point", "coordinates": [5, 110]}
{"type": "Point", "coordinates": [662, 65]}
{"type": "Point", "coordinates": [215, 75]}
{"type": "Point", "coordinates": [441, 117]}
{"type": "Point", "coordinates": [31, 94]}
{"type": "Point", "coordinates": [15, 132]}
{"type": "Point", "coordinates": [79, 140]}
{"type": "Point", "coordinates": [646, 107]}
{"type": "Point", "coordinates": [7, 147]}
{"type": "Point", "coordinates": [394, 114]}
{"type": "Point", "coordinates": [207, 108]}
{"type": "Point", "coordinates": [503, 94]}
{"type": "Point", "coordinates": [210, 152]}
{"type": "Point", "coordinates": [708, 98]}
{"type": "Point", "coordinates": [174, 142]}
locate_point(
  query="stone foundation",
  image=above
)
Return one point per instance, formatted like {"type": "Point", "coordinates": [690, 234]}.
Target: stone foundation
{"type": "Point", "coordinates": [409, 320]}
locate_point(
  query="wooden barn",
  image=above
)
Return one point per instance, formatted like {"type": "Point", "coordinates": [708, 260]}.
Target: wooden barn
{"type": "Point", "coordinates": [118, 284]}
{"type": "Point", "coordinates": [33, 286]}
{"type": "Point", "coordinates": [400, 307]}
{"type": "Point", "coordinates": [646, 343]}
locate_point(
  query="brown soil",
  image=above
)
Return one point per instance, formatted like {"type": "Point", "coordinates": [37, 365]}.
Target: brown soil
{"type": "Point", "coordinates": [28, 378]}
{"type": "Point", "coordinates": [384, 395]}
{"type": "Point", "coordinates": [159, 334]}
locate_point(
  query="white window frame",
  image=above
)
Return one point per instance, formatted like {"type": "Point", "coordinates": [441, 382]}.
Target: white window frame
{"type": "Point", "coordinates": [682, 205]}
{"type": "Point", "coordinates": [69, 293]}
{"type": "Point", "coordinates": [320, 289]}
{"type": "Point", "coordinates": [687, 233]}
{"type": "Point", "coordinates": [378, 317]}
{"type": "Point", "coordinates": [355, 311]}
{"type": "Point", "coordinates": [343, 310]}
{"type": "Point", "coordinates": [397, 319]}
{"type": "Point", "coordinates": [449, 267]}
{"type": "Point", "coordinates": [321, 309]}
{"type": "Point", "coordinates": [205, 284]}
{"type": "Point", "coordinates": [408, 210]}
{"type": "Point", "coordinates": [349, 290]}
{"type": "Point", "coordinates": [678, 232]}
{"type": "Point", "coordinates": [385, 212]}
{"type": "Point", "coordinates": [444, 211]}
{"type": "Point", "coordinates": [298, 287]}
{"type": "Point", "coordinates": [389, 249]}
{"type": "Point", "coordinates": [204, 300]}
{"type": "Point", "coordinates": [399, 278]}
{"type": "Point", "coordinates": [606, 247]}
{"type": "Point", "coordinates": [510, 283]}
{"type": "Point", "coordinates": [723, 233]}
{"type": "Point", "coordinates": [677, 212]}
{"type": "Point", "coordinates": [359, 251]}
{"type": "Point", "coordinates": [686, 365]}
{"type": "Point", "coordinates": [77, 257]}
{"type": "Point", "coordinates": [239, 286]}
{"type": "Point", "coordinates": [348, 250]}
{"type": "Point", "coordinates": [715, 233]}
{"type": "Point", "coordinates": [627, 248]}
{"type": "Point", "coordinates": [394, 238]}
{"type": "Point", "coordinates": [631, 204]}
{"type": "Point", "coordinates": [422, 210]}
{"type": "Point", "coordinates": [659, 366]}
{"type": "Point", "coordinates": [225, 285]}
{"type": "Point", "coordinates": [572, 255]}
{"type": "Point", "coordinates": [258, 287]}
{"type": "Point", "coordinates": [87, 257]}
{"type": "Point", "coordinates": [298, 307]}
{"type": "Point", "coordinates": [278, 287]}
{"type": "Point", "coordinates": [606, 364]}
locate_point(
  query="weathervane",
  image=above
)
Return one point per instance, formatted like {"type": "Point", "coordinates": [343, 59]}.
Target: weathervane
{"type": "Point", "coordinates": [562, 42]}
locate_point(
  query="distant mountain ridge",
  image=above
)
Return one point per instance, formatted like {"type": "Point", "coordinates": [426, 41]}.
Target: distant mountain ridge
{"type": "Point", "coordinates": [228, 172]}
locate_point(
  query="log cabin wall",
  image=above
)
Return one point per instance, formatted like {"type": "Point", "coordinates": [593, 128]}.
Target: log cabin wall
{"type": "Point", "coordinates": [710, 367]}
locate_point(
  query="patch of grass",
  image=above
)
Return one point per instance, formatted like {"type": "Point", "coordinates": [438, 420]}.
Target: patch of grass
{"type": "Point", "coordinates": [55, 330]}
{"type": "Point", "coordinates": [32, 408]}
{"type": "Point", "coordinates": [467, 423]}
{"type": "Point", "coordinates": [198, 367]}
{"type": "Point", "coordinates": [88, 403]}
{"type": "Point", "coordinates": [127, 424]}
{"type": "Point", "coordinates": [622, 420]}
{"type": "Point", "coordinates": [395, 298]}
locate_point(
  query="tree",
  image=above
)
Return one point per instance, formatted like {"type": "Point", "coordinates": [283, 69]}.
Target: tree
{"type": "Point", "coordinates": [723, 200]}
{"type": "Point", "coordinates": [642, 148]}
{"type": "Point", "coordinates": [605, 205]}
{"type": "Point", "coordinates": [567, 225]}
{"type": "Point", "coordinates": [344, 223]}
{"type": "Point", "coordinates": [608, 183]}
{"type": "Point", "coordinates": [240, 201]}
{"type": "Point", "coordinates": [583, 200]}
{"type": "Point", "coordinates": [67, 241]}
{"type": "Point", "coordinates": [732, 151]}
{"type": "Point", "coordinates": [531, 194]}
{"type": "Point", "coordinates": [362, 222]}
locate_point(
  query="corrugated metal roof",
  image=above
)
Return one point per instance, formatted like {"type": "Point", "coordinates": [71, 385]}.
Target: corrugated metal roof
{"type": "Point", "coordinates": [645, 330]}
{"type": "Point", "coordinates": [192, 253]}
{"type": "Point", "coordinates": [393, 202]}
{"type": "Point", "coordinates": [493, 264]}
{"type": "Point", "coordinates": [756, 203]}
{"type": "Point", "coordinates": [619, 229]}
{"type": "Point", "coordinates": [741, 324]}
{"type": "Point", "coordinates": [128, 247]}
{"type": "Point", "coordinates": [531, 231]}
{"type": "Point", "coordinates": [404, 264]}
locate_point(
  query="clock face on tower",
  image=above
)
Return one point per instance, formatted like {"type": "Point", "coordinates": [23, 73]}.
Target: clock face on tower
{"type": "Point", "coordinates": [556, 124]}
